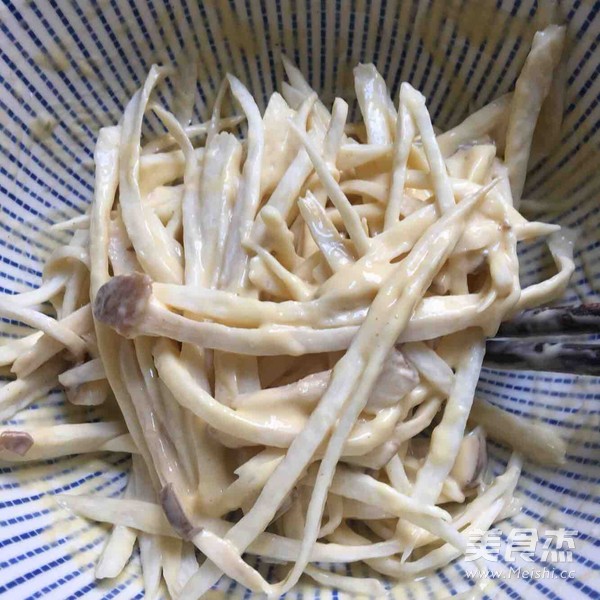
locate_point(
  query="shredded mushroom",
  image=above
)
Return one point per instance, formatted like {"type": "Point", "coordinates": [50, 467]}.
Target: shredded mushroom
{"type": "Point", "coordinates": [293, 327]}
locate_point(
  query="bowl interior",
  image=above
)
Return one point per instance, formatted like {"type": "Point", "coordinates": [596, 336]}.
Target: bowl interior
{"type": "Point", "coordinates": [68, 69]}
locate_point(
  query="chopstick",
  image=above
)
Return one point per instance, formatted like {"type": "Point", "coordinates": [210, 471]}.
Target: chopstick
{"type": "Point", "coordinates": [553, 320]}
{"type": "Point", "coordinates": [561, 357]}
{"type": "Point", "coordinates": [528, 342]}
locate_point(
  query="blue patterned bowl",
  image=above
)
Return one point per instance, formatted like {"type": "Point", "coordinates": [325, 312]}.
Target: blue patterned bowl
{"type": "Point", "coordinates": [67, 68]}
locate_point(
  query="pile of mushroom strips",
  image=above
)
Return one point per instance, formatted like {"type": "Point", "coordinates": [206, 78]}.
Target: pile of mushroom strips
{"type": "Point", "coordinates": [293, 326]}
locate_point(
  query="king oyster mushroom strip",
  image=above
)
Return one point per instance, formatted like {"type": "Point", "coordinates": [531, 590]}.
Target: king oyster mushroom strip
{"type": "Point", "coordinates": [292, 327]}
